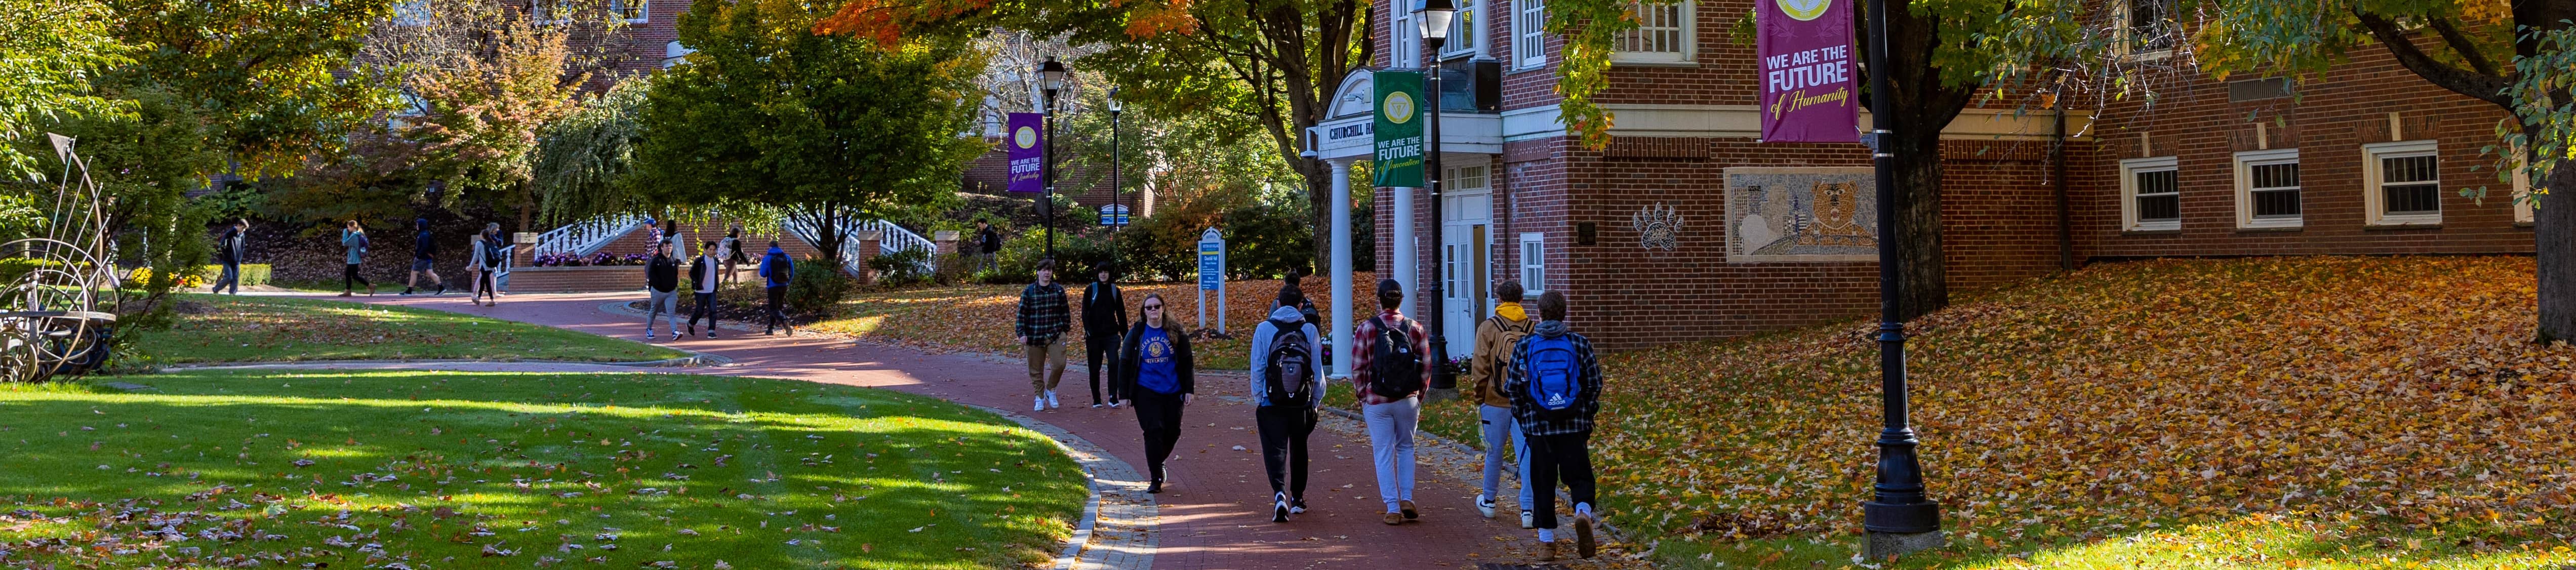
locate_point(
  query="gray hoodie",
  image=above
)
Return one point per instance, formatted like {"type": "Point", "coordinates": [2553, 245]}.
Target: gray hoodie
{"type": "Point", "coordinates": [1261, 355]}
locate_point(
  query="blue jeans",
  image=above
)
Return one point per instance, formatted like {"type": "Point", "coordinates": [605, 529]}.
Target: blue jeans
{"type": "Point", "coordinates": [231, 276]}
{"type": "Point", "coordinates": [1498, 424]}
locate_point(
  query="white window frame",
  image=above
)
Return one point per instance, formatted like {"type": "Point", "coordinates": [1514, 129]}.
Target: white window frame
{"type": "Point", "coordinates": [1686, 14]}
{"type": "Point", "coordinates": [2124, 44]}
{"type": "Point", "coordinates": [2245, 163]}
{"type": "Point", "coordinates": [1466, 37]}
{"type": "Point", "coordinates": [1529, 33]}
{"type": "Point", "coordinates": [1406, 43]}
{"type": "Point", "coordinates": [2129, 170]}
{"type": "Point", "coordinates": [2373, 177]}
{"type": "Point", "coordinates": [643, 10]}
{"type": "Point", "coordinates": [1533, 258]}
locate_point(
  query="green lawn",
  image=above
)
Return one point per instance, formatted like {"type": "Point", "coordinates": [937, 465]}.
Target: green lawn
{"type": "Point", "coordinates": [453, 470]}
{"type": "Point", "coordinates": [225, 328]}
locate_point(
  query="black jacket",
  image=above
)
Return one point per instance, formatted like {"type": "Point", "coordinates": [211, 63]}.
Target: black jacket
{"type": "Point", "coordinates": [228, 248]}
{"type": "Point", "coordinates": [1104, 310]}
{"type": "Point", "coordinates": [663, 274]}
{"type": "Point", "coordinates": [1131, 357]}
{"type": "Point", "coordinates": [421, 246]}
{"type": "Point", "coordinates": [988, 241]}
{"type": "Point", "coordinates": [700, 272]}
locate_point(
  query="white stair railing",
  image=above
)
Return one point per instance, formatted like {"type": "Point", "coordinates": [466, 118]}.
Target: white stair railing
{"type": "Point", "coordinates": [893, 238]}
{"type": "Point", "coordinates": [586, 236]}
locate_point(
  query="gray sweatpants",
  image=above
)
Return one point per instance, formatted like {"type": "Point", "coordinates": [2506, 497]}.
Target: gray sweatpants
{"type": "Point", "coordinates": [1499, 425]}
{"type": "Point", "coordinates": [1390, 428]}
{"type": "Point", "coordinates": [664, 305]}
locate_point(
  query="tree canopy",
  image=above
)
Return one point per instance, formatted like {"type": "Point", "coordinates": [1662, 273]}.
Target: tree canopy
{"type": "Point", "coordinates": [55, 48]}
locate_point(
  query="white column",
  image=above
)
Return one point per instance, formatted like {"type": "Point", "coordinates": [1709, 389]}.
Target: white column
{"type": "Point", "coordinates": [1403, 269]}
{"type": "Point", "coordinates": [1340, 308]}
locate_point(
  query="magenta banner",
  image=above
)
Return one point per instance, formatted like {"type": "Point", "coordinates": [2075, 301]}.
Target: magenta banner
{"type": "Point", "coordinates": [1027, 141]}
{"type": "Point", "coordinates": [1810, 92]}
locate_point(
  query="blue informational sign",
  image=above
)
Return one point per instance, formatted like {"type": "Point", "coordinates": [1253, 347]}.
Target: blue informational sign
{"type": "Point", "coordinates": [1211, 265]}
{"type": "Point", "coordinates": [1113, 215]}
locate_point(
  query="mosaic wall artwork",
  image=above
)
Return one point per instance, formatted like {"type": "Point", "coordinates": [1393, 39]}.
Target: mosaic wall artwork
{"type": "Point", "coordinates": [1801, 214]}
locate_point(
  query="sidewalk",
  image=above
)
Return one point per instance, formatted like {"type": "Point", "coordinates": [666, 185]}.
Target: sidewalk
{"type": "Point", "coordinates": [1215, 508]}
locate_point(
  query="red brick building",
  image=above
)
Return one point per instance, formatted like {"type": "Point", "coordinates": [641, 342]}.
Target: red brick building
{"type": "Point", "coordinates": [1686, 227]}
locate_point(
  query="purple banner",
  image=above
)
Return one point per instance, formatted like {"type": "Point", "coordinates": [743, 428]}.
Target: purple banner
{"type": "Point", "coordinates": [1810, 91]}
{"type": "Point", "coordinates": [1027, 141]}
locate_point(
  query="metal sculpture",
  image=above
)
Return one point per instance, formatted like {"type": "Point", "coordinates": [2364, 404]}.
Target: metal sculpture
{"type": "Point", "coordinates": [57, 281]}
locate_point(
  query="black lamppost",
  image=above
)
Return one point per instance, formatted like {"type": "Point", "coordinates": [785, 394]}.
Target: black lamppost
{"type": "Point", "coordinates": [1119, 222]}
{"type": "Point", "coordinates": [1050, 80]}
{"type": "Point", "coordinates": [1435, 31]}
{"type": "Point", "coordinates": [1899, 518]}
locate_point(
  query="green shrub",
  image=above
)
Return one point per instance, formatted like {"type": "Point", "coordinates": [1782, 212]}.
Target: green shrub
{"type": "Point", "coordinates": [900, 268]}
{"type": "Point", "coordinates": [1265, 242]}
{"type": "Point", "coordinates": [817, 286]}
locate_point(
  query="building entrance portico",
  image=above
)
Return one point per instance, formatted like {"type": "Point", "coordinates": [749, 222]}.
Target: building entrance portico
{"type": "Point", "coordinates": [1470, 142]}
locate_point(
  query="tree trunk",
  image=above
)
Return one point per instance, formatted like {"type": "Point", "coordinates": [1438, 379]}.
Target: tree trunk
{"type": "Point", "coordinates": [1926, 286]}
{"type": "Point", "coordinates": [2554, 229]}
{"type": "Point", "coordinates": [1319, 215]}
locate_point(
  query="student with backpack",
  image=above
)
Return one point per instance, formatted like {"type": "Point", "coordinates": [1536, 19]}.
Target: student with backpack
{"type": "Point", "coordinates": [1555, 387]}
{"type": "Point", "coordinates": [1495, 339]}
{"type": "Point", "coordinates": [229, 250]}
{"type": "Point", "coordinates": [1390, 370]}
{"type": "Point", "coordinates": [777, 269]}
{"type": "Point", "coordinates": [424, 251]}
{"type": "Point", "coordinates": [1158, 375]}
{"type": "Point", "coordinates": [1286, 393]}
{"type": "Point", "coordinates": [489, 254]}
{"type": "Point", "coordinates": [1104, 317]}
{"type": "Point", "coordinates": [702, 284]}
{"type": "Point", "coordinates": [662, 281]}
{"type": "Point", "coordinates": [354, 239]}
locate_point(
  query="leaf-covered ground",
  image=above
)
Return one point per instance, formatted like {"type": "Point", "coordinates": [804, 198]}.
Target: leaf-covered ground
{"type": "Point", "coordinates": [978, 318]}
{"type": "Point", "coordinates": [2337, 412]}
{"type": "Point", "coordinates": [225, 328]}
{"type": "Point", "coordinates": [426, 470]}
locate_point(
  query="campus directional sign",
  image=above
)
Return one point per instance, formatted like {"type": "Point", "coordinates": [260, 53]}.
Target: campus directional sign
{"type": "Point", "coordinates": [1113, 215]}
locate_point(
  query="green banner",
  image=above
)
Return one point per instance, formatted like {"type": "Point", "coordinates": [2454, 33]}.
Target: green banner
{"type": "Point", "coordinates": [1399, 129]}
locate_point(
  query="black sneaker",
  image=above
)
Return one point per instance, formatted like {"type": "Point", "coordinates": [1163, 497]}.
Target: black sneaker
{"type": "Point", "coordinates": [442, 290]}
{"type": "Point", "coordinates": [1279, 508]}
{"type": "Point", "coordinates": [1296, 506]}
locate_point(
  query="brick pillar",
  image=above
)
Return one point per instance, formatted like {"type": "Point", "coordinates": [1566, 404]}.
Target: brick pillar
{"type": "Point", "coordinates": [867, 250]}
{"type": "Point", "coordinates": [526, 254]}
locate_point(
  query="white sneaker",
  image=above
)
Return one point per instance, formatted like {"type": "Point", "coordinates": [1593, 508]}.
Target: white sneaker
{"type": "Point", "coordinates": [1485, 504]}
{"type": "Point", "coordinates": [1050, 400]}
{"type": "Point", "coordinates": [1039, 405]}
{"type": "Point", "coordinates": [1528, 520]}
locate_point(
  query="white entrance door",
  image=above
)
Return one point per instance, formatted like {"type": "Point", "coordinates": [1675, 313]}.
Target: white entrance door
{"type": "Point", "coordinates": [1466, 236]}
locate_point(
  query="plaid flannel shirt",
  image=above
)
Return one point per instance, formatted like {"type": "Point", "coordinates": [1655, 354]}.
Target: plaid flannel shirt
{"type": "Point", "coordinates": [1587, 399]}
{"type": "Point", "coordinates": [1366, 334]}
{"type": "Point", "coordinates": [1044, 313]}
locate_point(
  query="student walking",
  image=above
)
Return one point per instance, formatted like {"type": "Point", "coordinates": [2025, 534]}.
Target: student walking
{"type": "Point", "coordinates": [1389, 371]}
{"type": "Point", "coordinates": [988, 246]}
{"type": "Point", "coordinates": [777, 270]}
{"type": "Point", "coordinates": [1286, 394]}
{"type": "Point", "coordinates": [1041, 325]}
{"type": "Point", "coordinates": [1158, 375]}
{"type": "Point", "coordinates": [730, 250]}
{"type": "Point", "coordinates": [354, 239]}
{"type": "Point", "coordinates": [662, 280]}
{"type": "Point", "coordinates": [1495, 339]}
{"type": "Point", "coordinates": [486, 265]}
{"type": "Point", "coordinates": [423, 252]}
{"type": "Point", "coordinates": [1555, 388]}
{"type": "Point", "coordinates": [1104, 317]}
{"type": "Point", "coordinates": [702, 282]}
{"type": "Point", "coordinates": [229, 250]}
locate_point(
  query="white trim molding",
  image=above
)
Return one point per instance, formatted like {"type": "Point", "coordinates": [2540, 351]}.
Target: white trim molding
{"type": "Point", "coordinates": [2245, 163]}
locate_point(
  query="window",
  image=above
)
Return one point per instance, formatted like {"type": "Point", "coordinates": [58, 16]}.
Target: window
{"type": "Point", "coordinates": [548, 11]}
{"type": "Point", "coordinates": [1407, 43]}
{"type": "Point", "coordinates": [2403, 183]}
{"type": "Point", "coordinates": [1463, 34]}
{"type": "Point", "coordinates": [1467, 178]}
{"type": "Point", "coordinates": [1533, 264]}
{"type": "Point", "coordinates": [1529, 33]}
{"type": "Point", "coordinates": [2151, 194]}
{"type": "Point", "coordinates": [633, 11]}
{"type": "Point", "coordinates": [1663, 34]}
{"type": "Point", "coordinates": [2142, 31]}
{"type": "Point", "coordinates": [2267, 189]}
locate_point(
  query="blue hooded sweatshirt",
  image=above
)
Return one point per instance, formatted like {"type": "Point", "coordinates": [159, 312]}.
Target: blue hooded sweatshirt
{"type": "Point", "coordinates": [775, 266]}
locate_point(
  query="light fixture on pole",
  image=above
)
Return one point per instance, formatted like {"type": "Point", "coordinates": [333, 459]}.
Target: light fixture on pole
{"type": "Point", "coordinates": [1435, 31]}
{"type": "Point", "coordinates": [1051, 74]}
{"type": "Point", "coordinates": [1898, 516]}
{"type": "Point", "coordinates": [1116, 198]}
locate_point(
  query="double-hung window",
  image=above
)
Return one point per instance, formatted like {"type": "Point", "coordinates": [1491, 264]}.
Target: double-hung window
{"type": "Point", "coordinates": [1533, 264]}
{"type": "Point", "coordinates": [1664, 34]}
{"type": "Point", "coordinates": [1529, 33]}
{"type": "Point", "coordinates": [2151, 194]}
{"type": "Point", "coordinates": [2267, 189]}
{"type": "Point", "coordinates": [632, 11]}
{"type": "Point", "coordinates": [2141, 30]}
{"type": "Point", "coordinates": [2402, 183]}
{"type": "Point", "coordinates": [1463, 31]}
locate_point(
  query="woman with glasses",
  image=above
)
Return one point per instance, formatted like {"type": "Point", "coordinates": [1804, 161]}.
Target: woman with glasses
{"type": "Point", "coordinates": [1156, 372]}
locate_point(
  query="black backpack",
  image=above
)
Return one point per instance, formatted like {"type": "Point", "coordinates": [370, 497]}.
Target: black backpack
{"type": "Point", "coordinates": [492, 255]}
{"type": "Point", "coordinates": [1289, 373]}
{"type": "Point", "coordinates": [1395, 370]}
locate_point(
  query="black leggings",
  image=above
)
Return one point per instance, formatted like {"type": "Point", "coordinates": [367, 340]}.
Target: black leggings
{"type": "Point", "coordinates": [1555, 458]}
{"type": "Point", "coordinates": [1160, 415]}
{"type": "Point", "coordinates": [1101, 351]}
{"type": "Point", "coordinates": [1283, 446]}
{"type": "Point", "coordinates": [349, 279]}
{"type": "Point", "coordinates": [485, 278]}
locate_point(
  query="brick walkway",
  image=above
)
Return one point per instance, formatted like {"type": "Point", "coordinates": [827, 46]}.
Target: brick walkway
{"type": "Point", "coordinates": [1214, 512]}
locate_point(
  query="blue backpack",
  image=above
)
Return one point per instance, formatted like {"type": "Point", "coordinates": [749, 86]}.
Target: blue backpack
{"type": "Point", "coordinates": [1555, 376]}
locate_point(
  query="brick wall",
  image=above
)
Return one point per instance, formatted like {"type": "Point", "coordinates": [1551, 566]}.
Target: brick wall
{"type": "Point", "coordinates": [2328, 122]}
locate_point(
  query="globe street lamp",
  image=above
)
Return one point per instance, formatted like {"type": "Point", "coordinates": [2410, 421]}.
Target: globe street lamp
{"type": "Point", "coordinates": [1051, 74]}
{"type": "Point", "coordinates": [1435, 31]}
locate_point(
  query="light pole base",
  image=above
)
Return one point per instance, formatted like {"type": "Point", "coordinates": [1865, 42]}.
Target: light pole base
{"type": "Point", "coordinates": [1885, 545]}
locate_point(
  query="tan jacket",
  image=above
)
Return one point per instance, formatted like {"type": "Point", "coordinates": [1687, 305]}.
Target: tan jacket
{"type": "Point", "coordinates": [1494, 353]}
